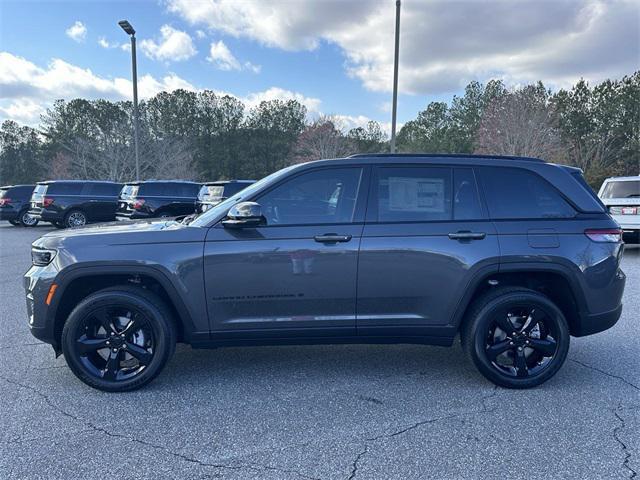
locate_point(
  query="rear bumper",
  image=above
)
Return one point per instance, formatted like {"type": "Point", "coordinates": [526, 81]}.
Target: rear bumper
{"type": "Point", "coordinates": [46, 215]}
{"type": "Point", "coordinates": [131, 216]}
{"type": "Point", "coordinates": [596, 323]}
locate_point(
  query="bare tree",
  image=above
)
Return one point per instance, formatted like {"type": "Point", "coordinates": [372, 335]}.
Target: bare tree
{"type": "Point", "coordinates": [321, 139]}
{"type": "Point", "coordinates": [520, 123]}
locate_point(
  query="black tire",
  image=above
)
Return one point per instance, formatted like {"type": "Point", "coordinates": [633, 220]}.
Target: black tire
{"type": "Point", "coordinates": [153, 319]}
{"type": "Point", "coordinates": [75, 219]}
{"type": "Point", "coordinates": [26, 220]}
{"type": "Point", "coordinates": [529, 355]}
{"type": "Point", "coordinates": [15, 223]}
{"type": "Point", "coordinates": [58, 224]}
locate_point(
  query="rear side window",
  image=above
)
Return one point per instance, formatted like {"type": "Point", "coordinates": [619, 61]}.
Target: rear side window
{"type": "Point", "coordinates": [622, 189]}
{"type": "Point", "coordinates": [414, 194]}
{"type": "Point", "coordinates": [103, 189]}
{"type": "Point", "coordinates": [182, 189]}
{"type": "Point", "coordinates": [152, 189]}
{"type": "Point", "coordinates": [514, 193]}
{"type": "Point", "coordinates": [466, 202]}
{"type": "Point", "coordinates": [64, 188]}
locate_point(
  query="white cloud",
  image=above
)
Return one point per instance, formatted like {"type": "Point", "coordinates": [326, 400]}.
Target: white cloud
{"type": "Point", "coordinates": [222, 58]}
{"type": "Point", "coordinates": [174, 46]}
{"type": "Point", "coordinates": [444, 44]}
{"type": "Point", "coordinates": [200, 34]}
{"type": "Point", "coordinates": [77, 32]}
{"type": "Point", "coordinates": [276, 93]}
{"type": "Point", "coordinates": [104, 43]}
{"type": "Point", "coordinates": [27, 89]}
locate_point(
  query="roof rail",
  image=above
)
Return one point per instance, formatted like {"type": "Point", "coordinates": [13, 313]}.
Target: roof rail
{"type": "Point", "coordinates": [446, 155]}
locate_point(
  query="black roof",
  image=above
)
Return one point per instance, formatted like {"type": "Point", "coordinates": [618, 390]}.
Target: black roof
{"type": "Point", "coordinates": [15, 186]}
{"type": "Point", "coordinates": [141, 182]}
{"type": "Point", "coordinates": [48, 182]}
{"type": "Point", "coordinates": [224, 182]}
{"type": "Point", "coordinates": [444, 155]}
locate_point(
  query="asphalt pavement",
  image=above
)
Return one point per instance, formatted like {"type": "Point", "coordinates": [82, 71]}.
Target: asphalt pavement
{"type": "Point", "coordinates": [317, 412]}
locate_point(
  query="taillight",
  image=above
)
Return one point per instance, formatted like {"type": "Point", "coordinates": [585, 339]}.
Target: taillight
{"type": "Point", "coordinates": [46, 201]}
{"type": "Point", "coordinates": [609, 235]}
{"type": "Point", "coordinates": [137, 205]}
{"type": "Point", "coordinates": [4, 201]}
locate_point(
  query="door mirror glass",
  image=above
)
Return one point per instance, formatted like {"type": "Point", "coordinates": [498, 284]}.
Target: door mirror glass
{"type": "Point", "coordinates": [244, 214]}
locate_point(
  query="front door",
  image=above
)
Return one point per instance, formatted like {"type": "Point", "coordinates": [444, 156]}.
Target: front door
{"type": "Point", "coordinates": [296, 275]}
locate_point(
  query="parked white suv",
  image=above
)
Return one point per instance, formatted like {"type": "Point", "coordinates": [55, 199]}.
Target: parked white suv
{"type": "Point", "coordinates": [621, 195]}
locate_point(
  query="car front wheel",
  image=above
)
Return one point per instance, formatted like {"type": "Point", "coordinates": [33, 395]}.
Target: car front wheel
{"type": "Point", "coordinates": [517, 338]}
{"type": "Point", "coordinates": [118, 339]}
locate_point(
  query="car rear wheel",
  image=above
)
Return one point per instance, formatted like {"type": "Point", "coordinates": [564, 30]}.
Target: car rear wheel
{"type": "Point", "coordinates": [75, 218]}
{"type": "Point", "coordinates": [118, 339]}
{"type": "Point", "coordinates": [27, 220]}
{"type": "Point", "coordinates": [517, 338]}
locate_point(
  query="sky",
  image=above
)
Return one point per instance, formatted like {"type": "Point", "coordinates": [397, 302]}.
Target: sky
{"type": "Point", "coordinates": [334, 56]}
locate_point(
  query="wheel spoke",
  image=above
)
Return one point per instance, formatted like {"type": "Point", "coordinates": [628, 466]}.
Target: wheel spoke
{"type": "Point", "coordinates": [113, 365]}
{"type": "Point", "coordinates": [496, 349]}
{"type": "Point", "coordinates": [504, 322]}
{"type": "Point", "coordinates": [132, 326]}
{"type": "Point", "coordinates": [142, 355]}
{"type": "Point", "coordinates": [521, 364]}
{"type": "Point", "coordinates": [105, 321]}
{"type": "Point", "coordinates": [87, 345]}
{"type": "Point", "coordinates": [546, 347]}
{"type": "Point", "coordinates": [532, 320]}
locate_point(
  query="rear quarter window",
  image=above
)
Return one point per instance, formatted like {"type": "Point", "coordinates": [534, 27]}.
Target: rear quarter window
{"type": "Point", "coordinates": [64, 188]}
{"type": "Point", "coordinates": [515, 193]}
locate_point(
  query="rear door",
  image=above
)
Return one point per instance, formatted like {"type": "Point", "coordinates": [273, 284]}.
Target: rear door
{"type": "Point", "coordinates": [101, 200]}
{"type": "Point", "coordinates": [296, 275]}
{"type": "Point", "coordinates": [427, 234]}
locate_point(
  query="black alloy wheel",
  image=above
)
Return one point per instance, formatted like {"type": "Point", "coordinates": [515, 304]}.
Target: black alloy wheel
{"type": "Point", "coordinates": [517, 338]}
{"type": "Point", "coordinates": [75, 218]}
{"type": "Point", "coordinates": [118, 339]}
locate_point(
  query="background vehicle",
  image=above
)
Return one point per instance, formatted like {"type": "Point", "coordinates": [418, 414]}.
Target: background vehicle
{"type": "Point", "coordinates": [74, 203]}
{"type": "Point", "coordinates": [621, 195]}
{"type": "Point", "coordinates": [212, 193]}
{"type": "Point", "coordinates": [157, 199]}
{"type": "Point", "coordinates": [14, 205]}
{"type": "Point", "coordinates": [514, 254]}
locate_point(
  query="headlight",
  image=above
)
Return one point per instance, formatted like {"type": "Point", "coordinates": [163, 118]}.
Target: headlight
{"type": "Point", "coordinates": [41, 257]}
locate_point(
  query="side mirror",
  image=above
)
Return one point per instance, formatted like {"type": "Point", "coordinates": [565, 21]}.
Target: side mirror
{"type": "Point", "coordinates": [244, 214]}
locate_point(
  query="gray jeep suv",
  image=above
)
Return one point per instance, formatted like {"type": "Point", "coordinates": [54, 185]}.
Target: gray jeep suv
{"type": "Point", "coordinates": [513, 254]}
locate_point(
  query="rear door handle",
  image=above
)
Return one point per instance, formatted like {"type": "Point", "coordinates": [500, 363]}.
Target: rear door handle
{"type": "Point", "coordinates": [332, 238]}
{"type": "Point", "coordinates": [467, 235]}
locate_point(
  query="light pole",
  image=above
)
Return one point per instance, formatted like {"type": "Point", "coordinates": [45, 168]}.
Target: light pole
{"type": "Point", "coordinates": [128, 29]}
{"type": "Point", "coordinates": [394, 105]}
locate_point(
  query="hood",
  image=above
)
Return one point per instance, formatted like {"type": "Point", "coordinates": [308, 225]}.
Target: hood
{"type": "Point", "coordinates": [122, 233]}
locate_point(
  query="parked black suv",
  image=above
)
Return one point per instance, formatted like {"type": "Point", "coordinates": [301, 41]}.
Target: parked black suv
{"type": "Point", "coordinates": [157, 199]}
{"type": "Point", "coordinates": [74, 203]}
{"type": "Point", "coordinates": [212, 193]}
{"type": "Point", "coordinates": [513, 254]}
{"type": "Point", "coordinates": [14, 205]}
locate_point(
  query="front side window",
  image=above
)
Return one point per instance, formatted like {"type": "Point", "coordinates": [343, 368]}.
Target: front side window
{"type": "Point", "coordinates": [514, 193]}
{"type": "Point", "coordinates": [414, 194]}
{"type": "Point", "coordinates": [319, 197]}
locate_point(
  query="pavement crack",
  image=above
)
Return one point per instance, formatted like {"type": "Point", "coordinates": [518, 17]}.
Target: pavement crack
{"type": "Point", "coordinates": [625, 450]}
{"type": "Point", "coordinates": [187, 458]}
{"type": "Point", "coordinates": [354, 464]}
{"type": "Point", "coordinates": [622, 379]}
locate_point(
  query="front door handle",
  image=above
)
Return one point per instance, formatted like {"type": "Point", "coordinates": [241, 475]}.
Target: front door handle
{"type": "Point", "coordinates": [467, 235]}
{"type": "Point", "coordinates": [332, 238]}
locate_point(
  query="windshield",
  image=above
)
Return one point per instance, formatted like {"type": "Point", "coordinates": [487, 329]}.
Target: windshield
{"type": "Point", "coordinates": [622, 189]}
{"type": "Point", "coordinates": [210, 215]}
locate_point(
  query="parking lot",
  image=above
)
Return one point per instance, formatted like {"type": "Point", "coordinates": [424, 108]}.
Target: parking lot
{"type": "Point", "coordinates": [325, 412]}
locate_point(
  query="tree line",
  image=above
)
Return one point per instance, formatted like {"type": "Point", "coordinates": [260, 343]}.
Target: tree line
{"type": "Point", "coordinates": [205, 136]}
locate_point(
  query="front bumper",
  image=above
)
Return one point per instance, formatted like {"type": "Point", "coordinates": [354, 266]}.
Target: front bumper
{"type": "Point", "coordinates": [37, 282]}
